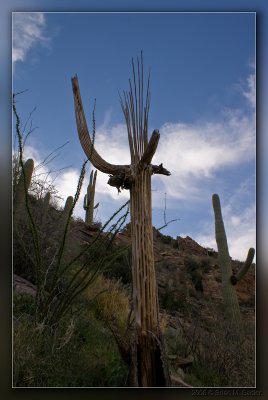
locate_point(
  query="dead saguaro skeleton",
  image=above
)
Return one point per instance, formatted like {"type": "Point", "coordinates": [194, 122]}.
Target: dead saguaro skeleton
{"type": "Point", "coordinates": [148, 365]}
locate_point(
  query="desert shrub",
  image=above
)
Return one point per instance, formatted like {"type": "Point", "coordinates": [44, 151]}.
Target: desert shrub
{"type": "Point", "coordinates": [79, 352]}
{"type": "Point", "coordinates": [200, 376]}
{"type": "Point", "coordinates": [197, 280]}
{"type": "Point", "coordinates": [191, 264]}
{"type": "Point", "coordinates": [41, 355]}
{"type": "Point", "coordinates": [166, 239]}
{"type": "Point", "coordinates": [205, 264]}
{"type": "Point", "coordinates": [222, 359]}
{"type": "Point", "coordinates": [48, 227]}
{"type": "Point", "coordinates": [23, 303]}
{"type": "Point", "coordinates": [99, 359]}
{"type": "Point", "coordinates": [193, 269]}
{"type": "Point", "coordinates": [127, 228]}
{"type": "Point", "coordinates": [174, 299]}
{"type": "Point", "coordinates": [228, 367]}
{"type": "Point", "coordinates": [175, 340]}
{"type": "Point", "coordinates": [120, 268]}
{"type": "Point", "coordinates": [168, 300]}
{"type": "Point", "coordinates": [109, 301]}
{"type": "Point", "coordinates": [175, 244]}
{"type": "Point", "coordinates": [166, 265]}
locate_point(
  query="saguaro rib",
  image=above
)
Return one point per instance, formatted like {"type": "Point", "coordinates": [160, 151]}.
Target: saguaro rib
{"type": "Point", "coordinates": [150, 148]}
{"type": "Point", "coordinates": [85, 139]}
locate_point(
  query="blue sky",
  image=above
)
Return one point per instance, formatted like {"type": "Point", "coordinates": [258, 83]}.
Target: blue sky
{"type": "Point", "coordinates": [203, 102]}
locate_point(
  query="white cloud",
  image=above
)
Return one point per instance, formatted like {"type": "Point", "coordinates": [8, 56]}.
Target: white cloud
{"type": "Point", "coordinates": [67, 183]}
{"type": "Point", "coordinates": [195, 153]}
{"type": "Point", "coordinates": [28, 30]}
{"type": "Point", "coordinates": [31, 152]}
{"type": "Point", "coordinates": [111, 143]}
{"type": "Point", "coordinates": [250, 93]}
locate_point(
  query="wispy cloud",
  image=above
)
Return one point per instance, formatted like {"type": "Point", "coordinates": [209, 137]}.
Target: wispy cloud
{"type": "Point", "coordinates": [195, 153]}
{"type": "Point", "coordinates": [250, 91]}
{"type": "Point", "coordinates": [28, 30]}
{"type": "Point", "coordinates": [248, 86]}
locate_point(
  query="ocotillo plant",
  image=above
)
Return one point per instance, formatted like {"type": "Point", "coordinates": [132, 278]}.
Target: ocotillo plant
{"type": "Point", "coordinates": [50, 302]}
{"type": "Point", "coordinates": [228, 279]}
{"type": "Point", "coordinates": [89, 198]}
{"type": "Point", "coordinates": [148, 360]}
{"type": "Point", "coordinates": [22, 187]}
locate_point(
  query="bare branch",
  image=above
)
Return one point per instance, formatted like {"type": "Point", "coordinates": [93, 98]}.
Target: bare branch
{"type": "Point", "coordinates": [48, 158]}
{"type": "Point", "coordinates": [169, 222]}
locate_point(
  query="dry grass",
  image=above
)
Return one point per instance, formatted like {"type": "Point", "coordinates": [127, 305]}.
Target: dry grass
{"type": "Point", "coordinates": [79, 352]}
{"type": "Point", "coordinates": [110, 301]}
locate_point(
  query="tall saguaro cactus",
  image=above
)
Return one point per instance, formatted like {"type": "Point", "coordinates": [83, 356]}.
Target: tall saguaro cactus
{"type": "Point", "coordinates": [46, 200]}
{"type": "Point", "coordinates": [66, 211]}
{"type": "Point", "coordinates": [228, 279]}
{"type": "Point", "coordinates": [147, 357]}
{"type": "Point", "coordinates": [89, 198]}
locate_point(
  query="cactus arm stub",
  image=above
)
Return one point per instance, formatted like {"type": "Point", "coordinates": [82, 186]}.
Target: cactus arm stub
{"type": "Point", "coordinates": [244, 269]}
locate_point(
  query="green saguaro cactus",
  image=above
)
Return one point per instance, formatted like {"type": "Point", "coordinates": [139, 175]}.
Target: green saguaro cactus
{"type": "Point", "coordinates": [22, 187]}
{"type": "Point", "coordinates": [245, 267]}
{"type": "Point", "coordinates": [46, 200]}
{"type": "Point", "coordinates": [89, 198]}
{"type": "Point", "coordinates": [228, 278]}
{"type": "Point", "coordinates": [67, 209]}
